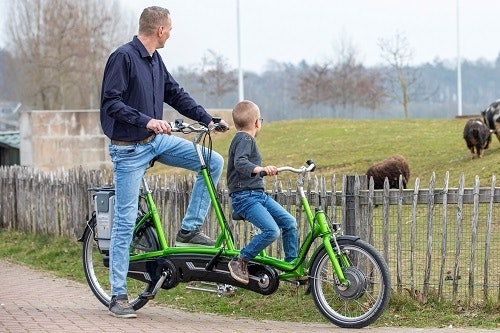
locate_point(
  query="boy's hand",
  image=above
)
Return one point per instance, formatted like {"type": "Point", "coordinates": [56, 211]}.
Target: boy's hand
{"type": "Point", "coordinates": [271, 170]}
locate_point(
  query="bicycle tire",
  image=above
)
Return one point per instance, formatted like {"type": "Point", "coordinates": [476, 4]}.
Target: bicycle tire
{"type": "Point", "coordinates": [97, 273]}
{"type": "Point", "coordinates": [365, 299]}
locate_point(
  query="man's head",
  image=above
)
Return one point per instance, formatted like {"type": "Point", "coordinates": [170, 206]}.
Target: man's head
{"type": "Point", "coordinates": [246, 116]}
{"type": "Point", "coordinates": [155, 22]}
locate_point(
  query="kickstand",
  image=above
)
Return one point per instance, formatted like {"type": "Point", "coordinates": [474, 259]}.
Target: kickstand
{"type": "Point", "coordinates": [218, 288]}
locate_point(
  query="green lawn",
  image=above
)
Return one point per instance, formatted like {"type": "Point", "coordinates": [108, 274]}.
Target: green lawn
{"type": "Point", "coordinates": [343, 146]}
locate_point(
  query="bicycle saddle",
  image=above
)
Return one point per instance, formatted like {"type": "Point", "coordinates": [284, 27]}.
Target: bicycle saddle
{"type": "Point", "coordinates": [237, 217]}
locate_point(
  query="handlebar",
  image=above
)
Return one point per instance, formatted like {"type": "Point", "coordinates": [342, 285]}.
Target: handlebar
{"type": "Point", "coordinates": [303, 169]}
{"type": "Point", "coordinates": [201, 129]}
{"type": "Point", "coordinates": [180, 126]}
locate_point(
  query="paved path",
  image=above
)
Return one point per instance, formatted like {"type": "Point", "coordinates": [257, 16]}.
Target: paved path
{"type": "Point", "coordinates": [34, 301]}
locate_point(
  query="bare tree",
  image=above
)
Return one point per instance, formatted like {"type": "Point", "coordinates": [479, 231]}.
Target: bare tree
{"type": "Point", "coordinates": [402, 79]}
{"type": "Point", "coordinates": [371, 89]}
{"type": "Point", "coordinates": [217, 77]}
{"type": "Point", "coordinates": [107, 26]}
{"type": "Point", "coordinates": [61, 48]}
{"type": "Point", "coordinates": [8, 89]}
{"type": "Point", "coordinates": [313, 87]}
{"type": "Point", "coordinates": [353, 85]}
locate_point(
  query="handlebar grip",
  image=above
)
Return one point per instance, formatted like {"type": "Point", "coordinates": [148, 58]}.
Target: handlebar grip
{"type": "Point", "coordinates": [262, 173]}
{"type": "Point", "coordinates": [309, 162]}
{"type": "Point", "coordinates": [221, 128]}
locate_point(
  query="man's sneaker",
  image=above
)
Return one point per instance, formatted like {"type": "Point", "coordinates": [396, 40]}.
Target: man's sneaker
{"type": "Point", "coordinates": [120, 307]}
{"type": "Point", "coordinates": [238, 268]}
{"type": "Point", "coordinates": [193, 238]}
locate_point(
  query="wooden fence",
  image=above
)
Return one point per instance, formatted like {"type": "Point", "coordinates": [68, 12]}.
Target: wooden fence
{"type": "Point", "coordinates": [440, 242]}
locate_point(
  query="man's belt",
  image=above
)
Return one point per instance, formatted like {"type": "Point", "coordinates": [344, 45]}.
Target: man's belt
{"type": "Point", "coordinates": [133, 143]}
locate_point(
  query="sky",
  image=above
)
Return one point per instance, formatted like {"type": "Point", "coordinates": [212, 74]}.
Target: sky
{"type": "Point", "coordinates": [312, 30]}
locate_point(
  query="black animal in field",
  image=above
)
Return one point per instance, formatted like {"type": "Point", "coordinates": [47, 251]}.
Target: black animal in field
{"type": "Point", "coordinates": [491, 117]}
{"type": "Point", "coordinates": [477, 137]}
{"type": "Point", "coordinates": [389, 168]}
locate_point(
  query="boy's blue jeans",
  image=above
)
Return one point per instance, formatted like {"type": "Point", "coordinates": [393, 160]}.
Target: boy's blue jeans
{"type": "Point", "coordinates": [130, 164]}
{"type": "Point", "coordinates": [269, 216]}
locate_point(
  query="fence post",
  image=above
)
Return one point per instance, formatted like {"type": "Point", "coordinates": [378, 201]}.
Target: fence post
{"type": "Point", "coordinates": [353, 215]}
{"type": "Point", "coordinates": [350, 214]}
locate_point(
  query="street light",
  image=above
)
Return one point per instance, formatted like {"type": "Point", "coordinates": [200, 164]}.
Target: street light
{"type": "Point", "coordinates": [459, 65]}
{"type": "Point", "coordinates": [240, 70]}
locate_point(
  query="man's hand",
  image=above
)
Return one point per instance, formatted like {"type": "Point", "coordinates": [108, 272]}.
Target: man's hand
{"type": "Point", "coordinates": [159, 126]}
{"type": "Point", "coordinates": [223, 126]}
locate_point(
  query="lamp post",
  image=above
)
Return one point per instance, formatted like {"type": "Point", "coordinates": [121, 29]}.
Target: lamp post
{"type": "Point", "coordinates": [459, 64]}
{"type": "Point", "coordinates": [240, 70]}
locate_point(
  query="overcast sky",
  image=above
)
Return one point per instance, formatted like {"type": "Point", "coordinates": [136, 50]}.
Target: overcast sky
{"type": "Point", "coordinates": [312, 30]}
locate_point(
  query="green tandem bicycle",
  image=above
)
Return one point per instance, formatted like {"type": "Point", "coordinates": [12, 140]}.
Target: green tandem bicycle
{"type": "Point", "coordinates": [347, 277]}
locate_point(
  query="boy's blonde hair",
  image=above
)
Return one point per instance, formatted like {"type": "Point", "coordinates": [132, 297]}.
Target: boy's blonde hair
{"type": "Point", "coordinates": [244, 114]}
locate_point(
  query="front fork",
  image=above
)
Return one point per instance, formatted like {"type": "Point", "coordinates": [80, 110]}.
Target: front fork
{"type": "Point", "coordinates": [337, 257]}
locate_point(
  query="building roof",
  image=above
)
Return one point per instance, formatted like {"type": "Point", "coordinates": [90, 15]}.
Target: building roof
{"type": "Point", "coordinates": [10, 139]}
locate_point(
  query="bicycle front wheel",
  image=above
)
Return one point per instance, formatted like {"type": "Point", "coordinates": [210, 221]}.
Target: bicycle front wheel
{"type": "Point", "coordinates": [364, 300]}
{"type": "Point", "coordinates": [97, 273]}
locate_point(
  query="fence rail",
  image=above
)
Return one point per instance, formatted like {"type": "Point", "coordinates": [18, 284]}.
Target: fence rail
{"type": "Point", "coordinates": [442, 242]}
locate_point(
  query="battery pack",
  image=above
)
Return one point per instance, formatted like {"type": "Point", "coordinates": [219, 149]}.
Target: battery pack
{"type": "Point", "coordinates": [104, 207]}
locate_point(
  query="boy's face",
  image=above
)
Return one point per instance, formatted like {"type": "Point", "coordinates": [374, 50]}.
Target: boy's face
{"type": "Point", "coordinates": [258, 122]}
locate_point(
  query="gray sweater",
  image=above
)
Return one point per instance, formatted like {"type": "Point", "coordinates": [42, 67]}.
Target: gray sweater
{"type": "Point", "coordinates": [244, 156]}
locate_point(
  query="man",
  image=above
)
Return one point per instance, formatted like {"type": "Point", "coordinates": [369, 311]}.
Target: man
{"type": "Point", "coordinates": [136, 84]}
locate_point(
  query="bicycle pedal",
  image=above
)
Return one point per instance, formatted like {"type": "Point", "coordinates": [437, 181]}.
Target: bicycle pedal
{"type": "Point", "coordinates": [299, 281]}
{"type": "Point", "coordinates": [147, 295]}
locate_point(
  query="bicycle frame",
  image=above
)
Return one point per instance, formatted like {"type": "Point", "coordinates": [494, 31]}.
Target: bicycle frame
{"type": "Point", "coordinates": [347, 277]}
{"type": "Point", "coordinates": [224, 245]}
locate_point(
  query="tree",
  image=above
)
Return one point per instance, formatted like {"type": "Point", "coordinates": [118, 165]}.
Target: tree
{"type": "Point", "coordinates": [61, 48]}
{"type": "Point", "coordinates": [7, 88]}
{"type": "Point", "coordinates": [345, 84]}
{"type": "Point", "coordinates": [313, 87]}
{"type": "Point", "coordinates": [402, 79]}
{"type": "Point", "coordinates": [355, 86]}
{"type": "Point", "coordinates": [217, 77]}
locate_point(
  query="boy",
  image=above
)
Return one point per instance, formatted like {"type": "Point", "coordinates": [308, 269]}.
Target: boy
{"type": "Point", "coordinates": [248, 196]}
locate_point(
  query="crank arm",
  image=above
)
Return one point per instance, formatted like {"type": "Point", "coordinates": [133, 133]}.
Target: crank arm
{"type": "Point", "coordinates": [152, 294]}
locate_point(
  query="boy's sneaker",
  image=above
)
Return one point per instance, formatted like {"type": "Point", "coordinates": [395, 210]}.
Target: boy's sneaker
{"type": "Point", "coordinates": [238, 268]}
{"type": "Point", "coordinates": [120, 307]}
{"type": "Point", "coordinates": [194, 237]}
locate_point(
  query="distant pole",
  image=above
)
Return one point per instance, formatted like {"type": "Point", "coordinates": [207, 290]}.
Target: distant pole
{"type": "Point", "coordinates": [459, 64]}
{"type": "Point", "coordinates": [240, 70]}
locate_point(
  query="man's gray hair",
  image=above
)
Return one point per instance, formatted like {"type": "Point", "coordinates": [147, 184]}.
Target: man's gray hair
{"type": "Point", "coordinates": [151, 18]}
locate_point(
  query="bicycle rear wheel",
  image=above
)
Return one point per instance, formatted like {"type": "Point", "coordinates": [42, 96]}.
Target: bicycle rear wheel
{"type": "Point", "coordinates": [97, 273]}
{"type": "Point", "coordinates": [368, 293]}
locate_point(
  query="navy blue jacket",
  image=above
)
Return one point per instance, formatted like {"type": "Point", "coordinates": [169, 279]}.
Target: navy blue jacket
{"type": "Point", "coordinates": [134, 88]}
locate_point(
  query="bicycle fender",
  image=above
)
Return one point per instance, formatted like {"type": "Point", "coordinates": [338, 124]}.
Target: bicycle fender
{"type": "Point", "coordinates": [340, 239]}
{"type": "Point", "coordinates": [348, 237]}
{"type": "Point", "coordinates": [87, 225]}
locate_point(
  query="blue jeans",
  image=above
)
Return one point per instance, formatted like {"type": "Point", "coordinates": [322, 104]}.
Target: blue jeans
{"type": "Point", "coordinates": [269, 216]}
{"type": "Point", "coordinates": [130, 164]}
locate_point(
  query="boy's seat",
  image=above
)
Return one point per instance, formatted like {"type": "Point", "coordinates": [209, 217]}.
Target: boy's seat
{"type": "Point", "coordinates": [237, 217]}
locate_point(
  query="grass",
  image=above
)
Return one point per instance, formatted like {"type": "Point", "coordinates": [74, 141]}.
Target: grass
{"type": "Point", "coordinates": [62, 257]}
{"type": "Point", "coordinates": [337, 146]}
{"type": "Point", "coordinates": [343, 146]}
